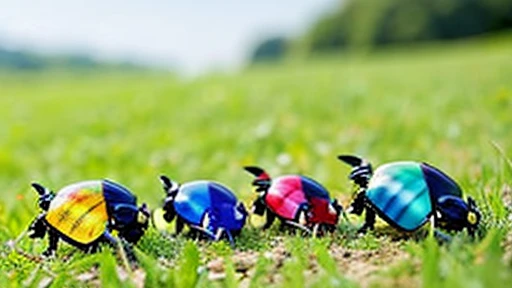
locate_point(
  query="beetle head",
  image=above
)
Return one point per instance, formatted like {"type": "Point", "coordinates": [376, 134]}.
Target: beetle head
{"type": "Point", "coordinates": [361, 169]}
{"type": "Point", "coordinates": [171, 188]}
{"type": "Point", "coordinates": [143, 215]}
{"type": "Point", "coordinates": [45, 196]}
{"type": "Point", "coordinates": [262, 181]}
{"type": "Point", "coordinates": [240, 212]}
{"type": "Point", "coordinates": [474, 217]}
{"type": "Point", "coordinates": [134, 231]}
{"type": "Point", "coordinates": [455, 214]}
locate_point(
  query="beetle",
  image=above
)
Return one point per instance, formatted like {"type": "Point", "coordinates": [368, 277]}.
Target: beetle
{"type": "Point", "coordinates": [207, 207]}
{"type": "Point", "coordinates": [85, 214]}
{"type": "Point", "coordinates": [296, 200]}
{"type": "Point", "coordinates": [407, 194]}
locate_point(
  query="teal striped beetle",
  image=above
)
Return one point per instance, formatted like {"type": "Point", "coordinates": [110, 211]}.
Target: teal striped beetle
{"type": "Point", "coordinates": [407, 194]}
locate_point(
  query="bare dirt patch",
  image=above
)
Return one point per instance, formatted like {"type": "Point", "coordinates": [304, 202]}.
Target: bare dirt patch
{"type": "Point", "coordinates": [361, 266]}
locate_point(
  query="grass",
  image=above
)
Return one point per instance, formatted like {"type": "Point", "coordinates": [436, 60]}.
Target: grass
{"type": "Point", "coordinates": [447, 105]}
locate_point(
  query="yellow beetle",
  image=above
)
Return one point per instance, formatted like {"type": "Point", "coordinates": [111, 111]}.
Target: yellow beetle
{"type": "Point", "coordinates": [85, 213]}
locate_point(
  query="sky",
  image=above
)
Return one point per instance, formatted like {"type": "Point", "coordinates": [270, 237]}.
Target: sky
{"type": "Point", "coordinates": [192, 36]}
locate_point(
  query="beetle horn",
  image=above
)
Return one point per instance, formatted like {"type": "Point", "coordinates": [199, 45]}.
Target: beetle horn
{"type": "Point", "coordinates": [351, 160]}
{"type": "Point", "coordinates": [40, 189]}
{"type": "Point", "coordinates": [45, 196]}
{"type": "Point", "coordinates": [361, 169]}
{"type": "Point", "coordinates": [257, 172]}
{"type": "Point", "coordinates": [262, 181]}
{"type": "Point", "coordinates": [168, 185]}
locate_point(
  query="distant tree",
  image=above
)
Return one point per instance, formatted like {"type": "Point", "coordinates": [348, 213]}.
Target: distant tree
{"type": "Point", "coordinates": [328, 34]}
{"type": "Point", "coordinates": [272, 49]}
{"type": "Point", "coordinates": [24, 60]}
{"type": "Point", "coordinates": [374, 23]}
{"type": "Point", "coordinates": [80, 61]}
{"type": "Point", "coordinates": [20, 60]}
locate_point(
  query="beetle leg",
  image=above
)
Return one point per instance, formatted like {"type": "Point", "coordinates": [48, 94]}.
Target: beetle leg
{"type": "Point", "coordinates": [258, 206]}
{"type": "Point", "coordinates": [358, 204]}
{"type": "Point", "coordinates": [170, 211]}
{"type": "Point", "coordinates": [127, 249]}
{"type": "Point", "coordinates": [302, 219]}
{"type": "Point", "coordinates": [179, 225]}
{"type": "Point", "coordinates": [37, 228]}
{"type": "Point", "coordinates": [440, 236]}
{"type": "Point", "coordinates": [53, 242]}
{"type": "Point", "coordinates": [109, 239]}
{"type": "Point", "coordinates": [285, 226]}
{"type": "Point", "coordinates": [292, 224]}
{"type": "Point", "coordinates": [315, 229]}
{"type": "Point", "coordinates": [218, 235]}
{"type": "Point", "coordinates": [369, 220]}
{"type": "Point", "coordinates": [120, 245]}
{"type": "Point", "coordinates": [270, 219]}
{"type": "Point", "coordinates": [231, 240]}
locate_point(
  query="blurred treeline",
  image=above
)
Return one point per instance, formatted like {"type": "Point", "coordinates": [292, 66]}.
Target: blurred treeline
{"type": "Point", "coordinates": [25, 60]}
{"type": "Point", "coordinates": [369, 24]}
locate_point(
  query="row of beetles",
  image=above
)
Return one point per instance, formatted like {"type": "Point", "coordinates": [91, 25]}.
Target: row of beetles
{"type": "Point", "coordinates": [405, 194]}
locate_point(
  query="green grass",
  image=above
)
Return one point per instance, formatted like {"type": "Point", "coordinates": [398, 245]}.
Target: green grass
{"type": "Point", "coordinates": [447, 105]}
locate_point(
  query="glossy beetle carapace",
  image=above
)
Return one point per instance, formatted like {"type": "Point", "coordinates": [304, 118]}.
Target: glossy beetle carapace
{"type": "Point", "coordinates": [207, 207]}
{"type": "Point", "coordinates": [407, 194]}
{"type": "Point", "coordinates": [296, 200]}
{"type": "Point", "coordinates": [85, 214]}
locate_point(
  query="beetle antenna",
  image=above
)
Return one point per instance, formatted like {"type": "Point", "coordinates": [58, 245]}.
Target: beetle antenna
{"type": "Point", "coordinates": [169, 185]}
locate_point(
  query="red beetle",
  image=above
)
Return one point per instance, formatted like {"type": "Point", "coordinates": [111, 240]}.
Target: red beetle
{"type": "Point", "coordinates": [296, 200]}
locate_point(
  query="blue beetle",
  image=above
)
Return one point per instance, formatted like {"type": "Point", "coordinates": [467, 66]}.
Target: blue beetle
{"type": "Point", "coordinates": [205, 206]}
{"type": "Point", "coordinates": [407, 194]}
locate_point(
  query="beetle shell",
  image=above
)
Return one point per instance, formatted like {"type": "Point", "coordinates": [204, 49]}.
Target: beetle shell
{"type": "Point", "coordinates": [289, 193]}
{"type": "Point", "coordinates": [403, 192]}
{"type": "Point", "coordinates": [286, 196]}
{"type": "Point", "coordinates": [319, 201]}
{"type": "Point", "coordinates": [195, 199]}
{"type": "Point", "coordinates": [320, 212]}
{"type": "Point", "coordinates": [82, 210]}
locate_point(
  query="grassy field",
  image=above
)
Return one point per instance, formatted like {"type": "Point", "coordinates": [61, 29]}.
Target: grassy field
{"type": "Point", "coordinates": [450, 106]}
